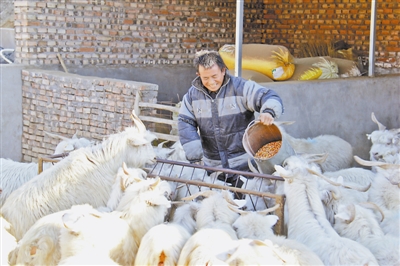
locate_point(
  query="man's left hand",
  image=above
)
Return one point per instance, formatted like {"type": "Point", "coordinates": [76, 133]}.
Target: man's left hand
{"type": "Point", "coordinates": [266, 119]}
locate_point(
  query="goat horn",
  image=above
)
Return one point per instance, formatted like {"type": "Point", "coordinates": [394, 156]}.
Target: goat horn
{"type": "Point", "coordinates": [137, 122]}
{"type": "Point", "coordinates": [156, 182]}
{"type": "Point", "coordinates": [323, 177]}
{"type": "Point", "coordinates": [266, 211]}
{"type": "Point", "coordinates": [339, 184]}
{"type": "Point", "coordinates": [205, 193]}
{"type": "Point", "coordinates": [229, 199]}
{"type": "Point", "coordinates": [180, 186]}
{"type": "Point", "coordinates": [125, 168]}
{"type": "Point", "coordinates": [334, 195]}
{"type": "Point", "coordinates": [371, 205]}
{"type": "Point", "coordinates": [380, 126]}
{"type": "Point", "coordinates": [160, 145]}
{"type": "Point", "coordinates": [368, 163]}
{"type": "Point", "coordinates": [177, 202]}
{"type": "Point", "coordinates": [352, 210]}
{"type": "Point", "coordinates": [361, 189]}
{"type": "Point", "coordinates": [56, 136]}
{"type": "Point", "coordinates": [241, 212]}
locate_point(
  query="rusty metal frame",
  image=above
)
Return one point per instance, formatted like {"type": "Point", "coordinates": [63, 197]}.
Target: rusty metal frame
{"type": "Point", "coordinates": [279, 199]}
{"type": "Point", "coordinates": [51, 158]}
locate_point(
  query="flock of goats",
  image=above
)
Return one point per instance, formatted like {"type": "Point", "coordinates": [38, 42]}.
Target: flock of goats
{"type": "Point", "coordinates": [98, 207]}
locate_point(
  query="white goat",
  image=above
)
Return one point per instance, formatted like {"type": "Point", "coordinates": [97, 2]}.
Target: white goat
{"type": "Point", "coordinates": [307, 221]}
{"type": "Point", "coordinates": [40, 244]}
{"type": "Point", "coordinates": [386, 186]}
{"type": "Point", "coordinates": [339, 151]}
{"type": "Point", "coordinates": [144, 205]}
{"type": "Point", "coordinates": [360, 224]}
{"type": "Point", "coordinates": [384, 192]}
{"type": "Point", "coordinates": [357, 175]}
{"type": "Point", "coordinates": [124, 177]}
{"type": "Point", "coordinates": [15, 174]}
{"type": "Point", "coordinates": [258, 225]}
{"type": "Point", "coordinates": [69, 144]}
{"type": "Point", "coordinates": [89, 236]}
{"type": "Point", "coordinates": [254, 252]}
{"type": "Point", "coordinates": [85, 176]}
{"type": "Point", "coordinates": [8, 243]}
{"type": "Point", "coordinates": [215, 234]}
{"type": "Point", "coordinates": [163, 243]}
{"type": "Point", "coordinates": [385, 143]}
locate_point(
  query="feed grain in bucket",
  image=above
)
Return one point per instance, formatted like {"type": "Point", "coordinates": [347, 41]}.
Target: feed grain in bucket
{"type": "Point", "coordinates": [268, 150]}
{"type": "Point", "coordinates": [266, 145]}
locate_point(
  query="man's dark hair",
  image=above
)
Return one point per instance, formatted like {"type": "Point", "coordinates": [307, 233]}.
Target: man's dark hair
{"type": "Point", "coordinates": [208, 59]}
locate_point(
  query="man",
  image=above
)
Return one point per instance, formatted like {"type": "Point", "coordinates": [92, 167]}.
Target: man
{"type": "Point", "coordinates": [220, 107]}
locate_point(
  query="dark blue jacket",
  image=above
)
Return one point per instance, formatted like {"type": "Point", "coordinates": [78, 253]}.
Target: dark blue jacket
{"type": "Point", "coordinates": [222, 121]}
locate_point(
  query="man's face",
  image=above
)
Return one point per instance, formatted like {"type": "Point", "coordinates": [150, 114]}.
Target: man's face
{"type": "Point", "coordinates": [212, 78]}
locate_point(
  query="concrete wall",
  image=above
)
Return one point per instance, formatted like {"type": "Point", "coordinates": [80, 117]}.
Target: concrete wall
{"type": "Point", "coordinates": [341, 107]}
{"type": "Point", "coordinates": [10, 111]}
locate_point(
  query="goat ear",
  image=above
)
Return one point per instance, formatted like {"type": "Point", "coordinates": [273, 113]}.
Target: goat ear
{"type": "Point", "coordinates": [346, 213]}
{"type": "Point", "coordinates": [137, 141]}
{"type": "Point", "coordinates": [342, 216]}
{"type": "Point", "coordinates": [69, 147]}
{"type": "Point", "coordinates": [326, 195]}
{"type": "Point", "coordinates": [159, 201]}
{"type": "Point", "coordinates": [240, 203]}
{"type": "Point", "coordinates": [257, 242]}
{"type": "Point", "coordinates": [272, 219]}
{"type": "Point", "coordinates": [380, 126]}
{"type": "Point", "coordinates": [282, 171]}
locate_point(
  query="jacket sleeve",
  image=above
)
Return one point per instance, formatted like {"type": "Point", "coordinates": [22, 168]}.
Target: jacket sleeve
{"type": "Point", "coordinates": [187, 130]}
{"type": "Point", "coordinates": [263, 100]}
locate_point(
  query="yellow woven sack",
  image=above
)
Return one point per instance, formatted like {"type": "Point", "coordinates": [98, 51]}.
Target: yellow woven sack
{"type": "Point", "coordinates": [274, 61]}
{"type": "Point", "coordinates": [311, 68]}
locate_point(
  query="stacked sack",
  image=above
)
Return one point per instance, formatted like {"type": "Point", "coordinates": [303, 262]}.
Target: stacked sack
{"type": "Point", "coordinates": [324, 67]}
{"type": "Point", "coordinates": [268, 63]}
{"type": "Point", "coordinates": [274, 61]}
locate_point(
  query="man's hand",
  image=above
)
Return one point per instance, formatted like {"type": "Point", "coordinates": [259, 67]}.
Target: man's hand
{"type": "Point", "coordinates": [266, 118]}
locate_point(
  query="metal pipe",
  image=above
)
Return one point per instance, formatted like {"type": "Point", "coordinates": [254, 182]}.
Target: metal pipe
{"type": "Point", "coordinates": [239, 38]}
{"type": "Point", "coordinates": [218, 169]}
{"type": "Point", "coordinates": [372, 33]}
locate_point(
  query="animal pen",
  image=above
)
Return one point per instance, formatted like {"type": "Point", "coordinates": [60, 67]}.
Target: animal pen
{"type": "Point", "coordinates": [159, 118]}
{"type": "Point", "coordinates": [252, 195]}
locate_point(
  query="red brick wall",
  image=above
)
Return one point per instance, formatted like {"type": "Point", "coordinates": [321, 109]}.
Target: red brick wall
{"type": "Point", "coordinates": [161, 32]}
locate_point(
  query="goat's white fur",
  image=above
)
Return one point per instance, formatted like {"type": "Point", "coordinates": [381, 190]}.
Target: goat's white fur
{"type": "Point", "coordinates": [85, 176]}
{"type": "Point", "coordinates": [360, 224]}
{"type": "Point", "coordinates": [258, 225]}
{"type": "Point", "coordinates": [307, 221]}
{"type": "Point", "coordinates": [163, 243]}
